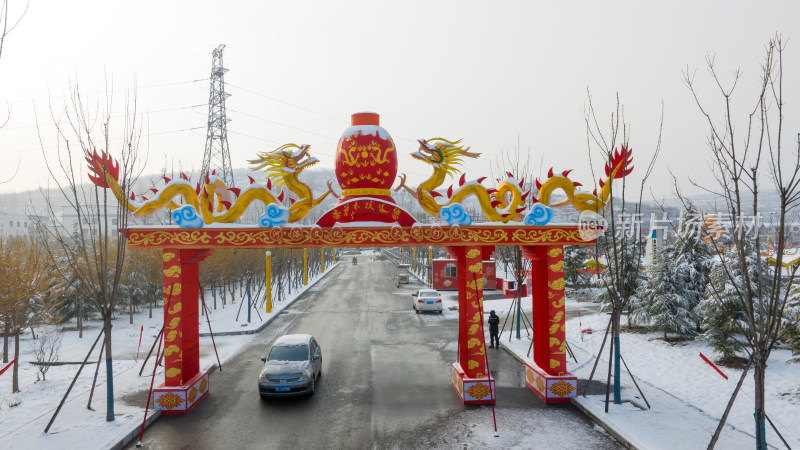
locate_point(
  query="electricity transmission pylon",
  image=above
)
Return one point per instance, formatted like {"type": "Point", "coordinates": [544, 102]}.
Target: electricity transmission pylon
{"type": "Point", "coordinates": [217, 157]}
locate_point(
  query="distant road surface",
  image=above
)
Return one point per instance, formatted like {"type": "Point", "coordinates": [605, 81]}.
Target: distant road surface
{"type": "Point", "coordinates": [385, 384]}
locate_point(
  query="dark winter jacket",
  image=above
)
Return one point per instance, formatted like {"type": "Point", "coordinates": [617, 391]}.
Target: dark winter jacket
{"type": "Point", "coordinates": [494, 323]}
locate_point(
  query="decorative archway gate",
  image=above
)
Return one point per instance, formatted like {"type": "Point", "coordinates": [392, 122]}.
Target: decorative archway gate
{"type": "Point", "coordinates": [366, 215]}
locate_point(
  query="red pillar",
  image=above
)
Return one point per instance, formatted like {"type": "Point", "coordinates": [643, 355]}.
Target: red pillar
{"type": "Point", "coordinates": [470, 374]}
{"type": "Point", "coordinates": [184, 384]}
{"type": "Point", "coordinates": [548, 375]}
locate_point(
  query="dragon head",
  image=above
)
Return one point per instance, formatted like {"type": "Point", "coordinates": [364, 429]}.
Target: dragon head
{"type": "Point", "coordinates": [289, 159]}
{"type": "Point", "coordinates": [442, 154]}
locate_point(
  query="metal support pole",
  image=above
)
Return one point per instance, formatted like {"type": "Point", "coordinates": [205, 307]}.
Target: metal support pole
{"type": "Point", "coordinates": [305, 267]}
{"type": "Point", "coordinates": [430, 266]}
{"type": "Point", "coordinates": [268, 282]}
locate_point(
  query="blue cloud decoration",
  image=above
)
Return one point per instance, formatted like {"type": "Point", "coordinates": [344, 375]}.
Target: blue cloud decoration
{"type": "Point", "coordinates": [274, 216]}
{"type": "Point", "coordinates": [187, 217]}
{"type": "Point", "coordinates": [539, 215]}
{"type": "Point", "coordinates": [455, 215]}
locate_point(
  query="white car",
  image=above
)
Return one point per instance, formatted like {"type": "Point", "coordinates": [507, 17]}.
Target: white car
{"type": "Point", "coordinates": [427, 300]}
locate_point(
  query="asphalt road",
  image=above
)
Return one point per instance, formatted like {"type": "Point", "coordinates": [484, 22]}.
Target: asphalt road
{"type": "Point", "coordinates": [385, 379]}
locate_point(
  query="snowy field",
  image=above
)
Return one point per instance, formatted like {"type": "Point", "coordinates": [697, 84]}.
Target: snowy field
{"type": "Point", "coordinates": [687, 395]}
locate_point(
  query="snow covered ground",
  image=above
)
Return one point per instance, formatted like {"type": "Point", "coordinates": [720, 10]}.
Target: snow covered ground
{"type": "Point", "coordinates": [24, 415]}
{"type": "Point", "coordinates": [687, 395]}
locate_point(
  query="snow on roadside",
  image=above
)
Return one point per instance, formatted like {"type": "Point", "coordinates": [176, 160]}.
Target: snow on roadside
{"type": "Point", "coordinates": [24, 415]}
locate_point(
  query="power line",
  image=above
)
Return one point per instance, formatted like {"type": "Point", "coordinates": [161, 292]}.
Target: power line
{"type": "Point", "coordinates": [337, 119]}
{"type": "Point", "coordinates": [282, 124]}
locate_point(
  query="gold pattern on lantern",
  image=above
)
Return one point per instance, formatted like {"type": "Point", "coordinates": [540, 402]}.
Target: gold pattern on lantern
{"type": "Point", "coordinates": [176, 308]}
{"type": "Point", "coordinates": [171, 336]}
{"type": "Point", "coordinates": [167, 256]}
{"type": "Point", "coordinates": [473, 253]}
{"type": "Point", "coordinates": [173, 323]}
{"type": "Point", "coordinates": [557, 267]}
{"type": "Point", "coordinates": [479, 391]}
{"type": "Point", "coordinates": [173, 372]}
{"type": "Point", "coordinates": [476, 268]}
{"type": "Point", "coordinates": [169, 401]}
{"type": "Point", "coordinates": [172, 290]}
{"type": "Point", "coordinates": [203, 385]}
{"type": "Point", "coordinates": [540, 384]}
{"type": "Point", "coordinates": [172, 272]}
{"type": "Point", "coordinates": [554, 363]}
{"type": "Point", "coordinates": [171, 349]}
{"type": "Point", "coordinates": [561, 388]}
{"type": "Point", "coordinates": [472, 364]}
{"type": "Point", "coordinates": [192, 394]}
{"type": "Point", "coordinates": [556, 284]}
{"type": "Point", "coordinates": [554, 252]}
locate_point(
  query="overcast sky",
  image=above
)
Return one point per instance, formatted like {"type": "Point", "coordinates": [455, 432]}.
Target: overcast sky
{"type": "Point", "coordinates": [492, 73]}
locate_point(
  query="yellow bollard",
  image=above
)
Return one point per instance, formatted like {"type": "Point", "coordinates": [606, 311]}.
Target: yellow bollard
{"type": "Point", "coordinates": [269, 282]}
{"type": "Point", "coordinates": [334, 255]}
{"type": "Point", "coordinates": [305, 267]}
{"type": "Point", "coordinates": [322, 259]}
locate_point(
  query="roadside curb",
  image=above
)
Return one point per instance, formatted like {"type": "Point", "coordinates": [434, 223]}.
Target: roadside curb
{"type": "Point", "coordinates": [609, 429]}
{"type": "Point", "coordinates": [130, 437]}
{"type": "Point", "coordinates": [152, 417]}
{"type": "Point", "coordinates": [593, 417]}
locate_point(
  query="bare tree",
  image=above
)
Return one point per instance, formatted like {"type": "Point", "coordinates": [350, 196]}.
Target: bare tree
{"type": "Point", "coordinates": [747, 151]}
{"type": "Point", "coordinates": [622, 243]}
{"type": "Point", "coordinates": [90, 231]}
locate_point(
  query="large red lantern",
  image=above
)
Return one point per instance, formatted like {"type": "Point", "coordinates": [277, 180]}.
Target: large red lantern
{"type": "Point", "coordinates": [366, 160]}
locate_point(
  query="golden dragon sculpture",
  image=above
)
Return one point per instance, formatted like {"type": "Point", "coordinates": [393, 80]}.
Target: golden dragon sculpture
{"type": "Point", "coordinates": [619, 165]}
{"type": "Point", "coordinates": [444, 156]}
{"type": "Point", "coordinates": [214, 202]}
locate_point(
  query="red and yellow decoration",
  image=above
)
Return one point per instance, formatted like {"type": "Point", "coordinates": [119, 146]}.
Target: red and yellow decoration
{"type": "Point", "coordinates": [366, 236]}
{"type": "Point", "coordinates": [366, 160]}
{"type": "Point", "coordinates": [549, 343]}
{"type": "Point", "coordinates": [366, 215]}
{"type": "Point", "coordinates": [181, 399]}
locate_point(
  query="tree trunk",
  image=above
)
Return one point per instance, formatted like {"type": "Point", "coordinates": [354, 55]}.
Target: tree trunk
{"type": "Point", "coordinates": [6, 333]}
{"type": "Point", "coordinates": [617, 371]}
{"type": "Point", "coordinates": [15, 370]}
{"type": "Point", "coordinates": [109, 370]}
{"type": "Point", "coordinates": [80, 319]}
{"type": "Point", "coordinates": [214, 294]}
{"type": "Point", "coordinates": [151, 307]}
{"type": "Point", "coordinates": [130, 304]}
{"type": "Point", "coordinates": [759, 370]}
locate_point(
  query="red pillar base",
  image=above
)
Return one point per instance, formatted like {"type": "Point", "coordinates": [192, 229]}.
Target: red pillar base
{"type": "Point", "coordinates": [181, 399]}
{"type": "Point", "coordinates": [550, 388]}
{"type": "Point", "coordinates": [472, 390]}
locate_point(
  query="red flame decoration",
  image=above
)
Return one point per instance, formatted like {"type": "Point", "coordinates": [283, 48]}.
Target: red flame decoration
{"type": "Point", "coordinates": [622, 156]}
{"type": "Point", "coordinates": [96, 165]}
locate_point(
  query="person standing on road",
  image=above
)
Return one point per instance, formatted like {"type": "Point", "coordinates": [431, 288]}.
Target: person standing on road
{"type": "Point", "coordinates": [494, 330]}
